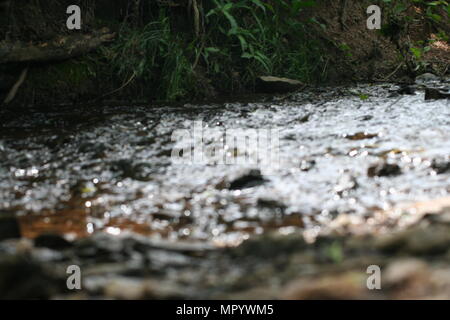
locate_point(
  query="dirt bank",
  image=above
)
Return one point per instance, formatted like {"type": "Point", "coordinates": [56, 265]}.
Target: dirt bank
{"type": "Point", "coordinates": [409, 43]}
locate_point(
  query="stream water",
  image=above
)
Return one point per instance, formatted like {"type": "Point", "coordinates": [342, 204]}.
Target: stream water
{"type": "Point", "coordinates": [80, 170]}
{"type": "Point", "coordinates": [269, 197]}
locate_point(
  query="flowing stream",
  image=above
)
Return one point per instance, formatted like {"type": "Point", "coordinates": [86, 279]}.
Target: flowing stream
{"type": "Point", "coordinates": [80, 170]}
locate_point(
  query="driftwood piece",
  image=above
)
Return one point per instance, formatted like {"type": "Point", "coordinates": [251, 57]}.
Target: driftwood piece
{"type": "Point", "coordinates": [61, 48]}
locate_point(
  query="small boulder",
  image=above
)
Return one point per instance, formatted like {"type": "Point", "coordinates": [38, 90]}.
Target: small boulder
{"type": "Point", "coordinates": [271, 84]}
{"type": "Point", "coordinates": [440, 166]}
{"type": "Point", "coordinates": [435, 94]}
{"type": "Point", "coordinates": [251, 179]}
{"type": "Point", "coordinates": [407, 90]}
{"type": "Point", "coordinates": [22, 277]}
{"type": "Point", "coordinates": [427, 77]}
{"type": "Point", "coordinates": [405, 272]}
{"type": "Point", "coordinates": [52, 241]}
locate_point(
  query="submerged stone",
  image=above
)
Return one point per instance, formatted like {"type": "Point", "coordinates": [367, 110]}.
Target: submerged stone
{"type": "Point", "coordinates": [252, 179]}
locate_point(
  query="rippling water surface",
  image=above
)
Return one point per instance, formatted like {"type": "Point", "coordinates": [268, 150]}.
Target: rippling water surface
{"type": "Point", "coordinates": [81, 170]}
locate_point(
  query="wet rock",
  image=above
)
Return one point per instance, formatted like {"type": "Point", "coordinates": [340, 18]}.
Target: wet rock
{"type": "Point", "coordinates": [252, 179]}
{"type": "Point", "coordinates": [164, 259]}
{"type": "Point", "coordinates": [412, 279]}
{"type": "Point", "coordinates": [422, 240]}
{"type": "Point", "coordinates": [391, 243]}
{"type": "Point", "coordinates": [365, 117]}
{"type": "Point", "coordinates": [127, 169]}
{"type": "Point", "coordinates": [124, 167]}
{"type": "Point", "coordinates": [102, 247]}
{"type": "Point", "coordinates": [350, 285]}
{"type": "Point", "coordinates": [402, 89]}
{"type": "Point", "coordinates": [404, 271]}
{"type": "Point", "coordinates": [406, 89]}
{"type": "Point", "coordinates": [427, 77]}
{"type": "Point", "coordinates": [361, 136]}
{"type": "Point", "coordinates": [271, 204]}
{"type": "Point", "coordinates": [16, 246]}
{"type": "Point", "coordinates": [277, 85]}
{"type": "Point", "coordinates": [307, 165]}
{"type": "Point", "coordinates": [24, 278]}
{"type": "Point", "coordinates": [258, 293]}
{"type": "Point", "coordinates": [55, 142]}
{"type": "Point", "coordinates": [143, 172]}
{"type": "Point", "coordinates": [125, 289]}
{"type": "Point", "coordinates": [440, 166]}
{"type": "Point", "coordinates": [97, 149]}
{"type": "Point", "coordinates": [384, 169]}
{"type": "Point", "coordinates": [136, 289]}
{"type": "Point", "coordinates": [269, 246]}
{"type": "Point", "coordinates": [9, 228]}
{"type": "Point", "coordinates": [52, 241]}
{"type": "Point", "coordinates": [429, 240]}
{"type": "Point", "coordinates": [46, 255]}
{"type": "Point", "coordinates": [186, 248]}
{"type": "Point", "coordinates": [435, 94]}
{"type": "Point", "coordinates": [442, 217]}
{"type": "Point", "coordinates": [304, 118]}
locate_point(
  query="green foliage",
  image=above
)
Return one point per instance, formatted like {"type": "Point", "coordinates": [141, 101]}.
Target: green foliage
{"type": "Point", "coordinates": [261, 38]}
{"type": "Point", "coordinates": [432, 7]}
{"type": "Point", "coordinates": [155, 55]}
{"type": "Point", "coordinates": [398, 16]}
{"type": "Point", "coordinates": [239, 41]}
{"type": "Point", "coordinates": [335, 252]}
{"type": "Point", "coordinates": [363, 96]}
{"type": "Point", "coordinates": [434, 11]}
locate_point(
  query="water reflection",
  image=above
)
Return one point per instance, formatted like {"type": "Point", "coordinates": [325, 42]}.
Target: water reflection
{"type": "Point", "coordinates": [115, 174]}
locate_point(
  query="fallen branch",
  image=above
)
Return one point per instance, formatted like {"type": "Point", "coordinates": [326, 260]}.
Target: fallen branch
{"type": "Point", "coordinates": [393, 72]}
{"type": "Point", "coordinates": [121, 87]}
{"type": "Point", "coordinates": [12, 93]}
{"type": "Point", "coordinates": [62, 48]}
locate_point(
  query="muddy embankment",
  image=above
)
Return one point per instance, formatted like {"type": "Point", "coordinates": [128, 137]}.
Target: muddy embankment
{"type": "Point", "coordinates": [65, 66]}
